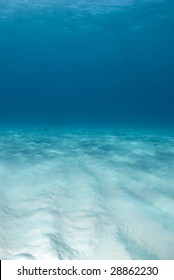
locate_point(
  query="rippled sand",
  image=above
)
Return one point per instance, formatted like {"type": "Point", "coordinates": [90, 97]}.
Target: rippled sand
{"type": "Point", "coordinates": [70, 194]}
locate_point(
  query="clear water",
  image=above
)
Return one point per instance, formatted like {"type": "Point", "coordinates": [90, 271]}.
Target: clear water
{"type": "Point", "coordinates": [86, 129]}
{"type": "Point", "coordinates": [85, 61]}
{"type": "Point", "coordinates": [75, 194]}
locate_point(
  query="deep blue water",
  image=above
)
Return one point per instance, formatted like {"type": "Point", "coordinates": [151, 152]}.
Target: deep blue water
{"type": "Point", "coordinates": [64, 61]}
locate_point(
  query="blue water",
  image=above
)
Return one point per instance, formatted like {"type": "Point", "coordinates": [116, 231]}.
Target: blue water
{"type": "Point", "coordinates": [86, 129]}
{"type": "Point", "coordinates": [65, 61]}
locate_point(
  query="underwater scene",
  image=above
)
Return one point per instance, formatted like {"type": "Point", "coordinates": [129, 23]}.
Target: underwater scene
{"type": "Point", "coordinates": [87, 129]}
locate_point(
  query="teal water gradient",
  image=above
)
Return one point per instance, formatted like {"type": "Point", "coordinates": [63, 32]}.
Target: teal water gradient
{"type": "Point", "coordinates": [86, 129]}
{"type": "Point", "coordinates": [65, 61]}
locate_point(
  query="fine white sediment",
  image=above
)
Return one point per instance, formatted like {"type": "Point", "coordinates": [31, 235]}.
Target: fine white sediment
{"type": "Point", "coordinates": [94, 195]}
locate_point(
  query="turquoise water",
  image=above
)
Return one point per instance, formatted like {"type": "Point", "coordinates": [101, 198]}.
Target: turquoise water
{"type": "Point", "coordinates": [86, 129]}
{"type": "Point", "coordinates": [86, 194]}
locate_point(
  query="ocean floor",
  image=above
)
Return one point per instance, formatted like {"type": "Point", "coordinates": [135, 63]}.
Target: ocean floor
{"type": "Point", "coordinates": [94, 194]}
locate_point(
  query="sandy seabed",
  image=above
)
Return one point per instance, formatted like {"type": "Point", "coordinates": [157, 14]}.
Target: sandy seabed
{"type": "Point", "coordinates": [68, 194]}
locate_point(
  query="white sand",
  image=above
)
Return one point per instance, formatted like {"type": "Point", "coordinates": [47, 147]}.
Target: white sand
{"type": "Point", "coordinates": [75, 195]}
